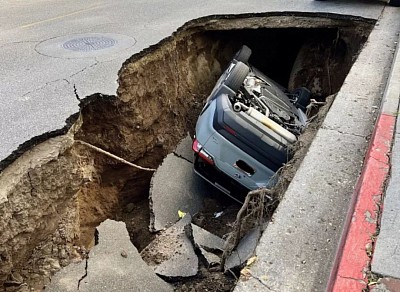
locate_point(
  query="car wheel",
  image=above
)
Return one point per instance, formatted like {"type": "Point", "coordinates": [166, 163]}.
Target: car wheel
{"type": "Point", "coordinates": [303, 98]}
{"type": "Point", "coordinates": [236, 76]}
{"type": "Point", "coordinates": [394, 3]}
{"type": "Point", "coordinates": [243, 54]}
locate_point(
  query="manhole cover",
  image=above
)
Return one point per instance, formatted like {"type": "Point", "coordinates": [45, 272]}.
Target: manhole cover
{"type": "Point", "coordinates": [89, 45]}
{"type": "Point", "coordinates": [86, 44]}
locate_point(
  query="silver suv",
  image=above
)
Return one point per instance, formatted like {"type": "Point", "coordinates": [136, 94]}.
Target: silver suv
{"type": "Point", "coordinates": [246, 127]}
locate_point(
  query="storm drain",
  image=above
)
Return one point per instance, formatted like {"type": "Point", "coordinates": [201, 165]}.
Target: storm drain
{"type": "Point", "coordinates": [65, 190]}
{"type": "Point", "coordinates": [86, 44]}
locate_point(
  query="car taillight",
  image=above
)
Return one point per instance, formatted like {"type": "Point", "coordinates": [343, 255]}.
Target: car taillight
{"type": "Point", "coordinates": [196, 146]}
{"type": "Point", "coordinates": [206, 157]}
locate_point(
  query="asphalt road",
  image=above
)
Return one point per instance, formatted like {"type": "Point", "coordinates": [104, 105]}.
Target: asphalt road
{"type": "Point", "coordinates": [38, 76]}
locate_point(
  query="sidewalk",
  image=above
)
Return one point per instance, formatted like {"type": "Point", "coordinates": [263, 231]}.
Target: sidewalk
{"type": "Point", "coordinates": [386, 257]}
{"type": "Point", "coordinates": [353, 266]}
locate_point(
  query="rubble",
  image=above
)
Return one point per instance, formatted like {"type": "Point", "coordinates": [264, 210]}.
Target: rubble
{"type": "Point", "coordinates": [172, 253]}
{"type": "Point", "coordinates": [173, 191]}
{"type": "Point", "coordinates": [245, 249]}
{"type": "Point", "coordinates": [67, 280]}
{"type": "Point", "coordinates": [210, 258]}
{"type": "Point", "coordinates": [207, 240]}
{"type": "Point", "coordinates": [114, 264]}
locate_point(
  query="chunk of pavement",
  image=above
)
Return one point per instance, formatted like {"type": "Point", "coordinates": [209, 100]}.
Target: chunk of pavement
{"type": "Point", "coordinates": [210, 257]}
{"type": "Point", "coordinates": [172, 253]}
{"type": "Point", "coordinates": [114, 264]}
{"type": "Point", "coordinates": [245, 250]}
{"type": "Point", "coordinates": [67, 279]}
{"type": "Point", "coordinates": [174, 186]}
{"type": "Point", "coordinates": [207, 240]}
{"type": "Point", "coordinates": [184, 149]}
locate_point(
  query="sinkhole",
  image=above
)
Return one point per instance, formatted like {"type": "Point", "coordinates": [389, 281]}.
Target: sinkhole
{"type": "Point", "coordinates": [54, 193]}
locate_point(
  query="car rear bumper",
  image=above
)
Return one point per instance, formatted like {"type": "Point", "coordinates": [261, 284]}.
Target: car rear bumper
{"type": "Point", "coordinates": [219, 179]}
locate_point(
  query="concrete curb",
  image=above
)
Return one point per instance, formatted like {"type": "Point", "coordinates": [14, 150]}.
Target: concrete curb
{"type": "Point", "coordinates": [353, 256]}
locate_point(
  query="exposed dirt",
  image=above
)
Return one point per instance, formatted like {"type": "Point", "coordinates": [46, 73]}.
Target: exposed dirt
{"type": "Point", "coordinates": [217, 215]}
{"type": "Point", "coordinates": [55, 194]}
{"type": "Point", "coordinates": [206, 280]}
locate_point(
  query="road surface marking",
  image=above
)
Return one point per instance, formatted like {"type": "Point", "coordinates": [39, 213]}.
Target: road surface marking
{"type": "Point", "coordinates": [59, 17]}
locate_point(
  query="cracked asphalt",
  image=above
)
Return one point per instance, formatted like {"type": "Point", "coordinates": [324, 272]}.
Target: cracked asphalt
{"type": "Point", "coordinates": [39, 92]}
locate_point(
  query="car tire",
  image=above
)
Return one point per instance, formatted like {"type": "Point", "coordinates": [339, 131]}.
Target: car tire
{"type": "Point", "coordinates": [236, 76]}
{"type": "Point", "coordinates": [303, 98]}
{"type": "Point", "coordinates": [395, 3]}
{"type": "Point", "coordinates": [243, 55]}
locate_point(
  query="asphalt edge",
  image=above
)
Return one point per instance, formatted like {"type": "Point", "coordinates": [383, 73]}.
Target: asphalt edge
{"type": "Point", "coordinates": [354, 253]}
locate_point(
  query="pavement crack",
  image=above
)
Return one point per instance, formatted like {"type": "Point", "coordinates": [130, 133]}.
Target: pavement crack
{"type": "Point", "coordinates": [17, 43]}
{"type": "Point", "coordinates": [260, 281]}
{"type": "Point", "coordinates": [86, 272]}
{"type": "Point", "coordinates": [344, 133]}
{"type": "Point", "coordinates": [180, 156]}
{"type": "Point", "coordinates": [351, 278]}
{"type": "Point", "coordinates": [76, 93]}
{"type": "Point", "coordinates": [61, 79]}
{"type": "Point", "coordinates": [44, 86]}
{"type": "Point", "coordinates": [378, 160]}
{"type": "Point", "coordinates": [85, 68]}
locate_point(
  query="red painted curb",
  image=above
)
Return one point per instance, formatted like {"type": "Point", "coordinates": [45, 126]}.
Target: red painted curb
{"type": "Point", "coordinates": [352, 260]}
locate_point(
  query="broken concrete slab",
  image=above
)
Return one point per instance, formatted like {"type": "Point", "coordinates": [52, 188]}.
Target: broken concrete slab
{"type": "Point", "coordinates": [172, 253]}
{"type": "Point", "coordinates": [210, 258]}
{"type": "Point", "coordinates": [67, 280]}
{"type": "Point", "coordinates": [114, 264]}
{"type": "Point", "coordinates": [207, 240]}
{"type": "Point", "coordinates": [171, 191]}
{"type": "Point", "coordinates": [184, 149]}
{"type": "Point", "coordinates": [245, 250]}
